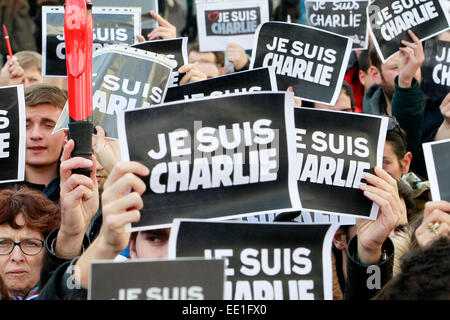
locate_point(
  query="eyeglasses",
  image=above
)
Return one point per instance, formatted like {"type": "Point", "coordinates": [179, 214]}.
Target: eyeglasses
{"type": "Point", "coordinates": [393, 125]}
{"type": "Point", "coordinates": [30, 247]}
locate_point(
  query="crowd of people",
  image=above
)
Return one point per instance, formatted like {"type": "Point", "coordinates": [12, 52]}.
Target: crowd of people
{"type": "Point", "coordinates": [56, 221]}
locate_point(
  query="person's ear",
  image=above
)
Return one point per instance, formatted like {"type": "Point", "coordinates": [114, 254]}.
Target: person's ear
{"type": "Point", "coordinates": [340, 240]}
{"type": "Point", "coordinates": [362, 77]}
{"type": "Point", "coordinates": [132, 245]}
{"type": "Point", "coordinates": [406, 162]}
{"type": "Point", "coordinates": [375, 75]}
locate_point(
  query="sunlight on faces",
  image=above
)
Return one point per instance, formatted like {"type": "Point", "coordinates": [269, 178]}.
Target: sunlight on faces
{"type": "Point", "coordinates": [343, 103]}
{"type": "Point", "coordinates": [31, 76]}
{"type": "Point", "coordinates": [208, 68]}
{"type": "Point", "coordinates": [389, 71]}
{"type": "Point", "coordinates": [43, 148]}
{"type": "Point", "coordinates": [195, 56]}
{"type": "Point", "coordinates": [19, 271]}
{"type": "Point", "coordinates": [391, 163]}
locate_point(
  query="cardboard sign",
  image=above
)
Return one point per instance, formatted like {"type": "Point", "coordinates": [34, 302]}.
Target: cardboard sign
{"type": "Point", "coordinates": [125, 78]}
{"type": "Point", "coordinates": [437, 160]}
{"type": "Point", "coordinates": [436, 70]}
{"type": "Point", "coordinates": [347, 18]}
{"type": "Point", "coordinates": [310, 60]}
{"type": "Point", "coordinates": [111, 26]}
{"type": "Point", "coordinates": [260, 79]}
{"type": "Point", "coordinates": [213, 158]}
{"type": "Point", "coordinates": [264, 261]}
{"type": "Point", "coordinates": [334, 149]}
{"type": "Point", "coordinates": [222, 22]}
{"type": "Point", "coordinates": [145, 279]}
{"type": "Point", "coordinates": [12, 134]}
{"type": "Point", "coordinates": [146, 6]}
{"type": "Point", "coordinates": [305, 217]}
{"type": "Point", "coordinates": [174, 49]}
{"type": "Point", "coordinates": [390, 21]}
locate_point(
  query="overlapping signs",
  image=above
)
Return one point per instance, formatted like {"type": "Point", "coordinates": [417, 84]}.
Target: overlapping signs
{"type": "Point", "coordinates": [212, 157]}
{"type": "Point", "coordinates": [143, 279]}
{"type": "Point", "coordinates": [264, 261]}
{"type": "Point", "coordinates": [247, 154]}
{"type": "Point", "coordinates": [174, 49]}
{"type": "Point", "coordinates": [314, 64]}
{"type": "Point", "coordinates": [146, 6]}
{"type": "Point", "coordinates": [221, 22]}
{"type": "Point", "coordinates": [255, 80]}
{"type": "Point", "coordinates": [334, 149]}
{"type": "Point", "coordinates": [111, 26]}
{"type": "Point", "coordinates": [390, 20]}
{"type": "Point", "coordinates": [12, 134]}
{"type": "Point", "coordinates": [347, 18]}
{"type": "Point", "coordinates": [124, 78]}
{"type": "Point", "coordinates": [437, 160]}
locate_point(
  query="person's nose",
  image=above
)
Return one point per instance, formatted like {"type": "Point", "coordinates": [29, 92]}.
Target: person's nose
{"type": "Point", "coordinates": [17, 255]}
{"type": "Point", "coordinates": [35, 132]}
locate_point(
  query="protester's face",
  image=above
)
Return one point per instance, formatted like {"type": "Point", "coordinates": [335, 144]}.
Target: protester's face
{"type": "Point", "coordinates": [391, 163]}
{"type": "Point", "coordinates": [101, 175]}
{"type": "Point", "coordinates": [208, 68]}
{"type": "Point", "coordinates": [43, 148]}
{"type": "Point", "coordinates": [343, 103]}
{"type": "Point", "coordinates": [151, 244]}
{"type": "Point", "coordinates": [19, 271]}
{"type": "Point", "coordinates": [389, 71]}
{"type": "Point", "coordinates": [195, 56]}
{"type": "Point", "coordinates": [31, 76]}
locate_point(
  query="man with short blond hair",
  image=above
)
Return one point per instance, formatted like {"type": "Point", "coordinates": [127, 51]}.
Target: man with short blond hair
{"type": "Point", "coordinates": [44, 104]}
{"type": "Point", "coordinates": [31, 63]}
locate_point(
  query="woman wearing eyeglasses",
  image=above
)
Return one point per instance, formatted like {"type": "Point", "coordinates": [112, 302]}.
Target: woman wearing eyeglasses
{"type": "Point", "coordinates": [26, 218]}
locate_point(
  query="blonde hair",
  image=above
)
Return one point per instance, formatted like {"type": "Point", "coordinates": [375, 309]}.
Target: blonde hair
{"type": "Point", "coordinates": [29, 59]}
{"type": "Point", "coordinates": [402, 243]}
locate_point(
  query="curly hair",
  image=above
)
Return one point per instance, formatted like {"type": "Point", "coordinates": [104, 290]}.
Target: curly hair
{"type": "Point", "coordinates": [40, 213]}
{"type": "Point", "coordinates": [424, 274]}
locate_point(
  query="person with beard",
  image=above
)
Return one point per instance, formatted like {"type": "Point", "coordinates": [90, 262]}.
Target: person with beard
{"type": "Point", "coordinates": [396, 91]}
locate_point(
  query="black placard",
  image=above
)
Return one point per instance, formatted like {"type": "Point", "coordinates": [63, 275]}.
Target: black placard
{"type": "Point", "coordinates": [175, 49]}
{"type": "Point", "coordinates": [436, 70]}
{"type": "Point", "coordinates": [212, 157]}
{"type": "Point", "coordinates": [389, 22]}
{"type": "Point", "coordinates": [12, 134]}
{"type": "Point", "coordinates": [437, 160]}
{"type": "Point", "coordinates": [263, 261]}
{"type": "Point", "coordinates": [333, 150]}
{"type": "Point", "coordinates": [111, 26]}
{"type": "Point", "coordinates": [347, 18]}
{"type": "Point", "coordinates": [181, 279]}
{"type": "Point", "coordinates": [310, 60]}
{"type": "Point", "coordinates": [260, 79]}
{"type": "Point", "coordinates": [124, 78]}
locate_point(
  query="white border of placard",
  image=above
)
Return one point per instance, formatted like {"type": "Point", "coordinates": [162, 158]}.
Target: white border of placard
{"type": "Point", "coordinates": [22, 133]}
{"type": "Point", "coordinates": [239, 39]}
